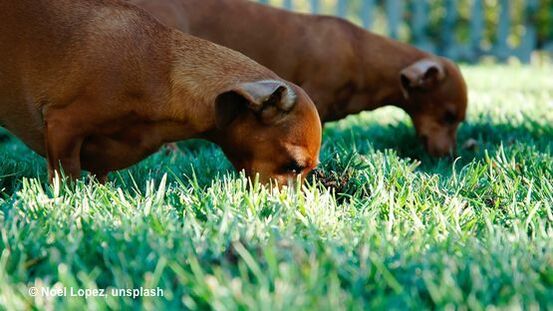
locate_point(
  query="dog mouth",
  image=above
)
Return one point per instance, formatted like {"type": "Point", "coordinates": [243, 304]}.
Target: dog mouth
{"type": "Point", "coordinates": [438, 150]}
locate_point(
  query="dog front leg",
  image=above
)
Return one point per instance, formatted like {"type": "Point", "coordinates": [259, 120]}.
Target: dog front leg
{"type": "Point", "coordinates": [63, 147]}
{"type": "Point", "coordinates": [101, 154]}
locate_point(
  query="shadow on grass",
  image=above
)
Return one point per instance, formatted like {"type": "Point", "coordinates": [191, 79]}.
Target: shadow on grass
{"type": "Point", "coordinates": [199, 162]}
{"type": "Point", "coordinates": [475, 139]}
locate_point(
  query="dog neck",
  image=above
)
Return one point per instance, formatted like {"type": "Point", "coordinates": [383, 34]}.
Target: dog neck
{"type": "Point", "coordinates": [197, 79]}
{"type": "Point", "coordinates": [381, 61]}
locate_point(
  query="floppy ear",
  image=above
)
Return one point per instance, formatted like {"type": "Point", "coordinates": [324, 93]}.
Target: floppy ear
{"type": "Point", "coordinates": [422, 75]}
{"type": "Point", "coordinates": [269, 100]}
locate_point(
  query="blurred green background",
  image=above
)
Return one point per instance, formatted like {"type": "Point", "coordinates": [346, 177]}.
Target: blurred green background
{"type": "Point", "coordinates": [528, 20]}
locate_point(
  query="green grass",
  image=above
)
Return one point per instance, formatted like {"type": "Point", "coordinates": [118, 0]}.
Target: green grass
{"type": "Point", "coordinates": [382, 226]}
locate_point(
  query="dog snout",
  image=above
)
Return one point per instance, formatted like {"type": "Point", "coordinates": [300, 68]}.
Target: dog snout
{"type": "Point", "coordinates": [439, 149]}
{"type": "Point", "coordinates": [281, 181]}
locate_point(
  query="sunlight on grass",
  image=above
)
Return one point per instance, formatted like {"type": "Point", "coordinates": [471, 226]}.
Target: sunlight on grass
{"type": "Point", "coordinates": [379, 225]}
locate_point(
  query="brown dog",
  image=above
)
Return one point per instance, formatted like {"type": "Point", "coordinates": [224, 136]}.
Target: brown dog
{"type": "Point", "coordinates": [343, 68]}
{"type": "Point", "coordinates": [100, 85]}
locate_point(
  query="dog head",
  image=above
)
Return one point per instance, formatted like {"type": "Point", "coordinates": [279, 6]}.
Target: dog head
{"type": "Point", "coordinates": [269, 128]}
{"type": "Point", "coordinates": [436, 96]}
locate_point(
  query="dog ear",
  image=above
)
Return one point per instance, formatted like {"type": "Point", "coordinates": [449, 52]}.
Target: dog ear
{"type": "Point", "coordinates": [269, 100]}
{"type": "Point", "coordinates": [422, 75]}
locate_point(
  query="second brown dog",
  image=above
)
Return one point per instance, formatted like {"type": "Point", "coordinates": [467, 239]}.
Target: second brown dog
{"type": "Point", "coordinates": [345, 69]}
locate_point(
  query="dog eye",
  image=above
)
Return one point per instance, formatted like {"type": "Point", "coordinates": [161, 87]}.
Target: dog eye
{"type": "Point", "coordinates": [449, 118]}
{"type": "Point", "coordinates": [294, 168]}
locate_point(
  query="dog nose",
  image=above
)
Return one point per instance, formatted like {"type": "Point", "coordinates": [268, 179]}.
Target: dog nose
{"type": "Point", "coordinates": [443, 151]}
{"type": "Point", "coordinates": [439, 149]}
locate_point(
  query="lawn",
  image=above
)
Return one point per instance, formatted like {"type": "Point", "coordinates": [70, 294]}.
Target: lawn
{"type": "Point", "coordinates": [379, 226]}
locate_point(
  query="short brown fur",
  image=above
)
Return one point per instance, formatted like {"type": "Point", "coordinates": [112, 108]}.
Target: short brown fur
{"type": "Point", "coordinates": [100, 85]}
{"type": "Point", "coordinates": [344, 69]}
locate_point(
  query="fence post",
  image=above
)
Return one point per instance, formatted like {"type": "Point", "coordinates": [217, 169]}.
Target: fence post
{"type": "Point", "coordinates": [394, 12]}
{"type": "Point", "coordinates": [502, 49]}
{"type": "Point", "coordinates": [530, 38]}
{"type": "Point", "coordinates": [315, 6]}
{"type": "Point", "coordinates": [288, 5]}
{"type": "Point", "coordinates": [447, 37]}
{"type": "Point", "coordinates": [342, 8]}
{"type": "Point", "coordinates": [419, 24]}
{"type": "Point", "coordinates": [476, 29]}
{"type": "Point", "coordinates": [367, 15]}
